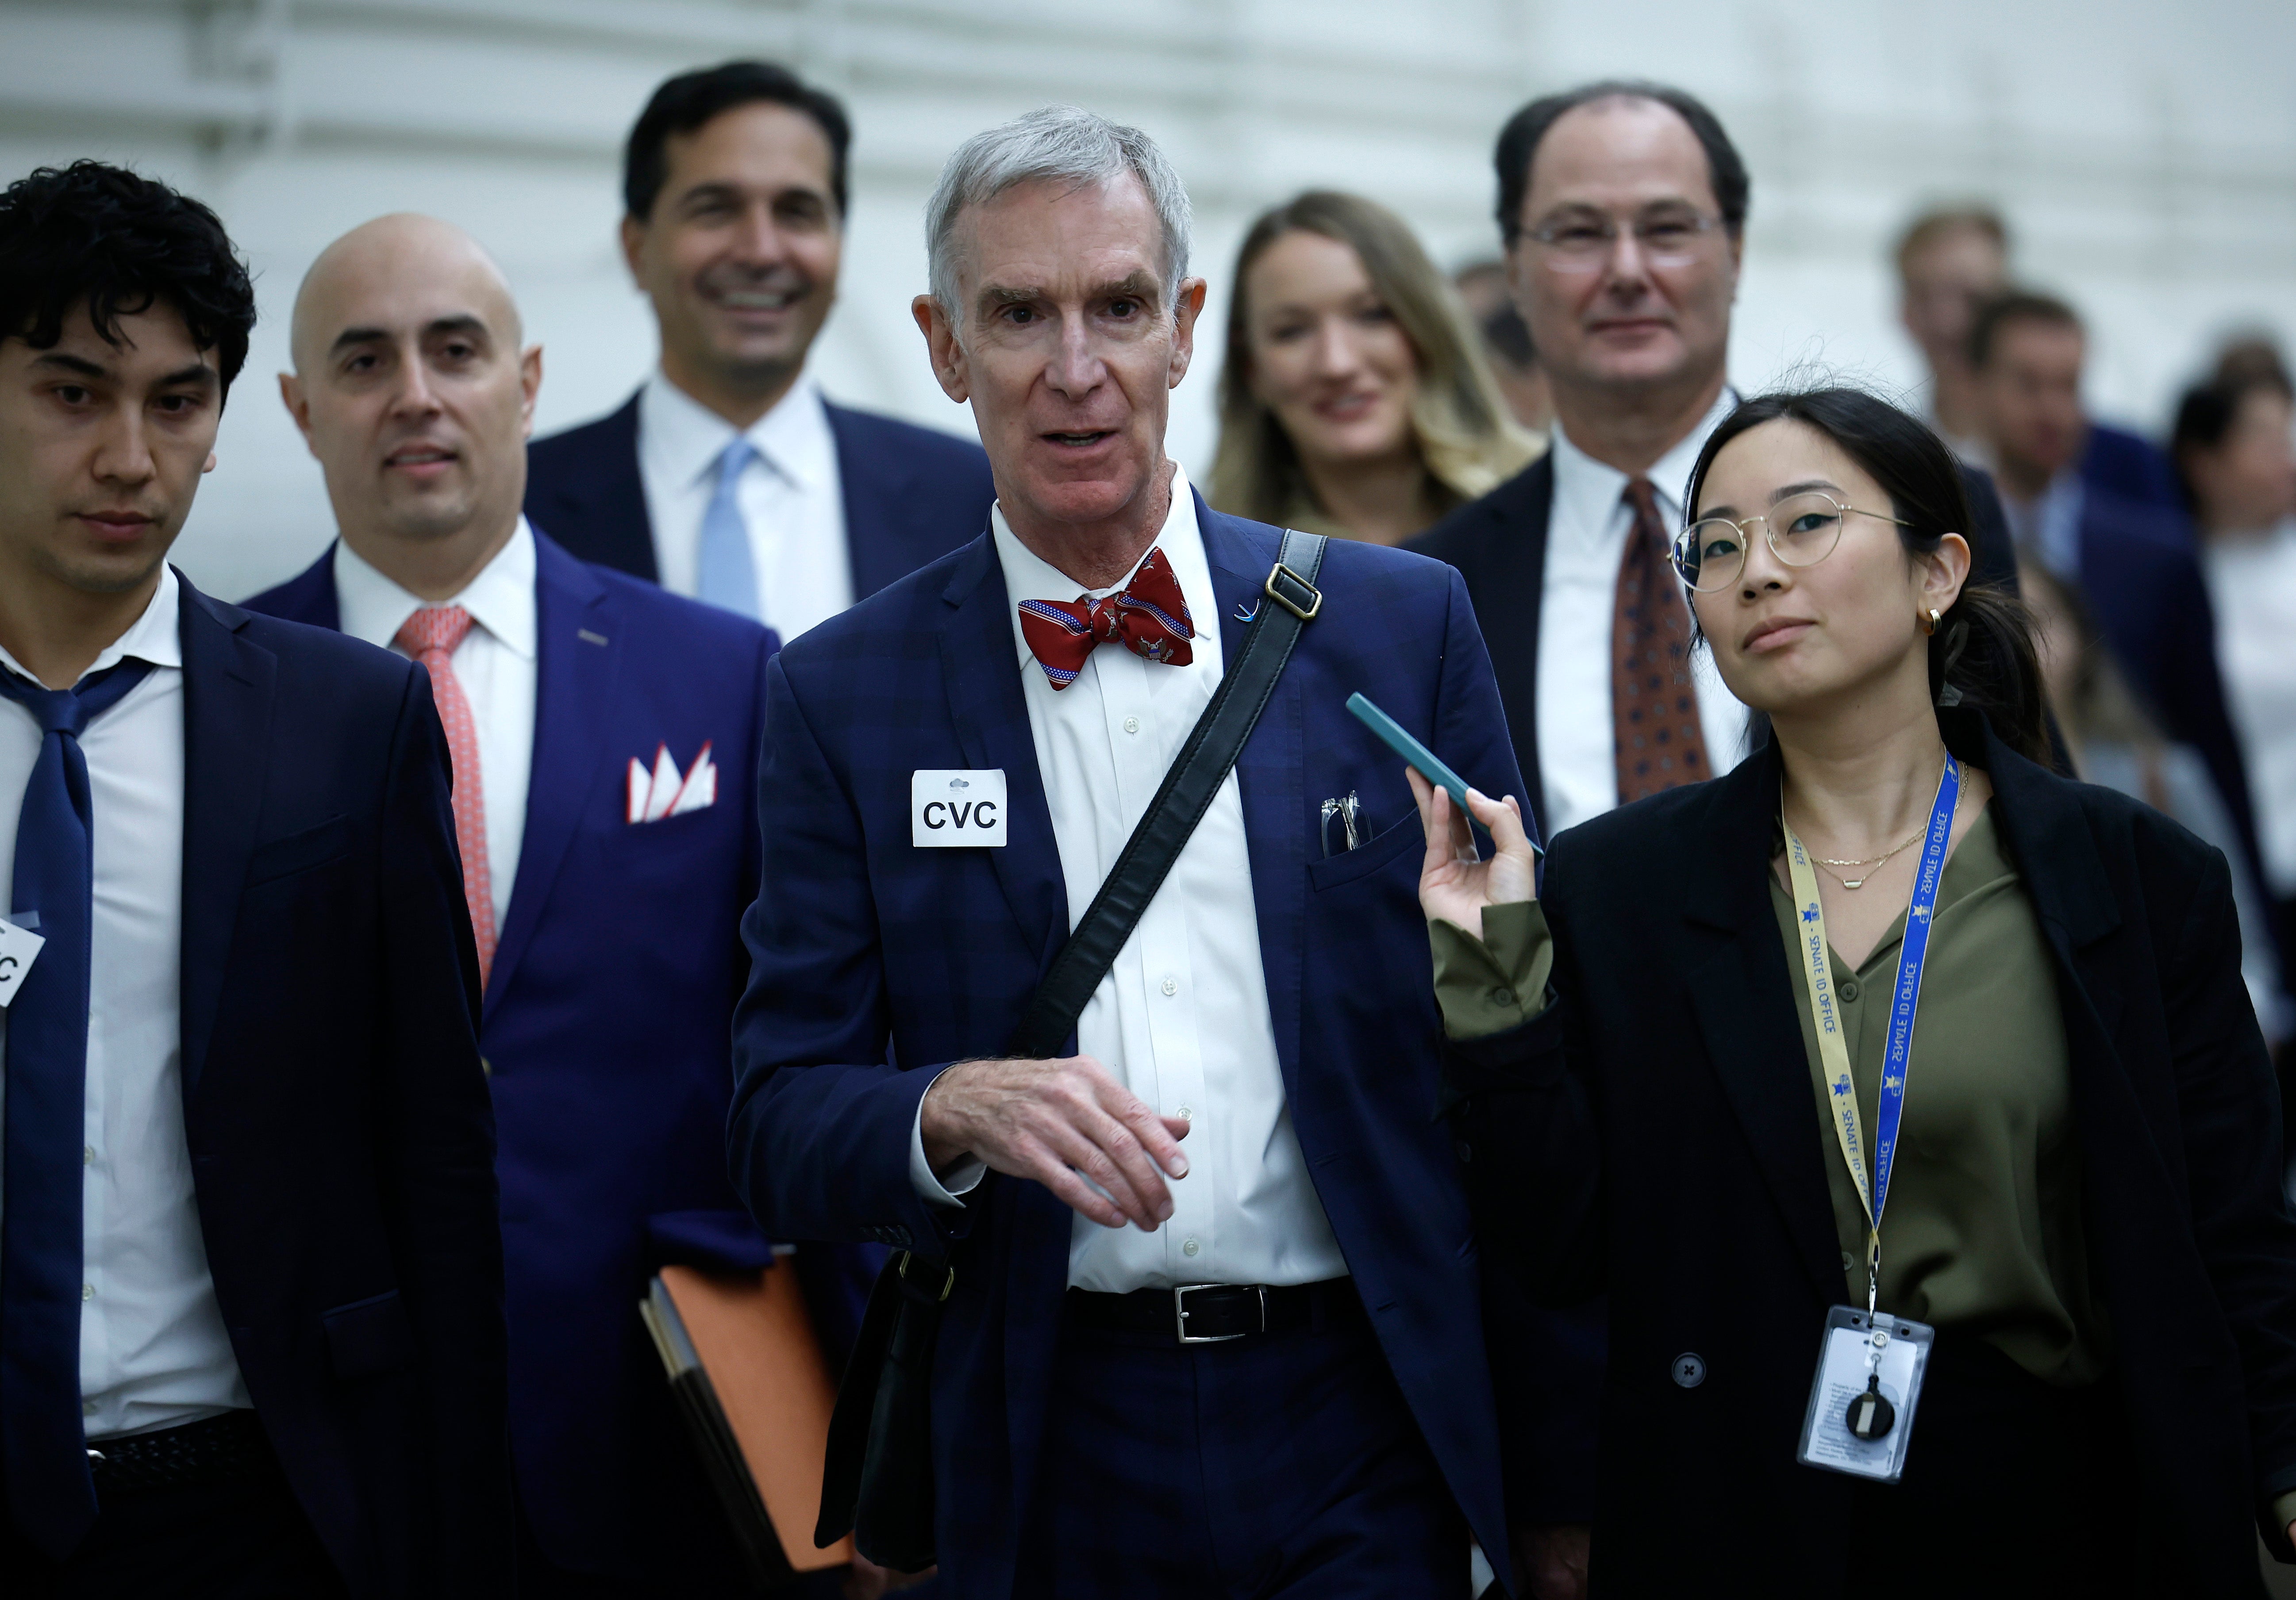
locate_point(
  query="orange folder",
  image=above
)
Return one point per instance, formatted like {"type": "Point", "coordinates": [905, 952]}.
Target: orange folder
{"type": "Point", "coordinates": [757, 1395]}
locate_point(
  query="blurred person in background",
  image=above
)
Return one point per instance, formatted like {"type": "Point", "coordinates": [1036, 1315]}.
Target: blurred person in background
{"type": "Point", "coordinates": [1951, 262]}
{"type": "Point", "coordinates": [2133, 562]}
{"type": "Point", "coordinates": [605, 738]}
{"type": "Point", "coordinates": [2247, 356]}
{"type": "Point", "coordinates": [2232, 445]}
{"type": "Point", "coordinates": [728, 476]}
{"type": "Point", "coordinates": [1513, 359]}
{"type": "Point", "coordinates": [1354, 402]}
{"type": "Point", "coordinates": [2113, 742]}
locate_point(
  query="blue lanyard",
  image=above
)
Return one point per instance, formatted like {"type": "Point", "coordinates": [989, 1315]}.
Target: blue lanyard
{"type": "Point", "coordinates": [1905, 1001]}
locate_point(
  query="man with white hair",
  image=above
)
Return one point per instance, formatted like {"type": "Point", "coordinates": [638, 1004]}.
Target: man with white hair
{"type": "Point", "coordinates": [1253, 1362]}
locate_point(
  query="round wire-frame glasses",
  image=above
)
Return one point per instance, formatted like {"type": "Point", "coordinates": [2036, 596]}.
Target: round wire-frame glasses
{"type": "Point", "coordinates": [1801, 529]}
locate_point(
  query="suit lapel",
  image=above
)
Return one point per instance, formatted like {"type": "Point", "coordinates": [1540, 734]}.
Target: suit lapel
{"type": "Point", "coordinates": [1269, 774]}
{"type": "Point", "coordinates": [228, 686]}
{"type": "Point", "coordinates": [578, 648]}
{"type": "Point", "coordinates": [992, 729]}
{"type": "Point", "coordinates": [875, 488]}
{"type": "Point", "coordinates": [1743, 992]}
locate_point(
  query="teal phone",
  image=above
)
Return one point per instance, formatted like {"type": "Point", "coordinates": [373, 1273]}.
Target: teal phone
{"type": "Point", "coordinates": [1422, 759]}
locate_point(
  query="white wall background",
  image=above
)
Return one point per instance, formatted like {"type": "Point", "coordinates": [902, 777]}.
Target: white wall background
{"type": "Point", "coordinates": [2146, 154]}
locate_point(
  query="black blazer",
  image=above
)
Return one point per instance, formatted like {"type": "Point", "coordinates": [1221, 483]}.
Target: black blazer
{"type": "Point", "coordinates": [1653, 1133]}
{"type": "Point", "coordinates": [911, 494]}
{"type": "Point", "coordinates": [342, 1138]}
{"type": "Point", "coordinates": [1498, 544]}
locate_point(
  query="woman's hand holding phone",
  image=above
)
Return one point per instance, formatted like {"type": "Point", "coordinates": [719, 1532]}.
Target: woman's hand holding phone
{"type": "Point", "coordinates": [1453, 884]}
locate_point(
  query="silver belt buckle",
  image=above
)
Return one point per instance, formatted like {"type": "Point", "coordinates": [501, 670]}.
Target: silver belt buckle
{"type": "Point", "coordinates": [1180, 1294]}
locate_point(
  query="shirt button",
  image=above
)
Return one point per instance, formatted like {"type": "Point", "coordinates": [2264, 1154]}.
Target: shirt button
{"type": "Point", "coordinates": [1190, 1247]}
{"type": "Point", "coordinates": [1503, 997]}
{"type": "Point", "coordinates": [1845, 1261]}
{"type": "Point", "coordinates": [87, 1290]}
{"type": "Point", "coordinates": [87, 1156]}
{"type": "Point", "coordinates": [88, 1407]}
{"type": "Point", "coordinates": [1849, 989]}
{"type": "Point", "coordinates": [1184, 1113]}
{"type": "Point", "coordinates": [1171, 985]}
{"type": "Point", "coordinates": [1131, 724]}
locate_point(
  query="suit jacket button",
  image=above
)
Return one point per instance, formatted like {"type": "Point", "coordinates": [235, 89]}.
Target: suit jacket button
{"type": "Point", "coordinates": [1464, 1151]}
{"type": "Point", "coordinates": [1690, 1369]}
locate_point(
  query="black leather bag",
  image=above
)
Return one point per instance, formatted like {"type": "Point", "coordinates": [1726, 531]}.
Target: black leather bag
{"type": "Point", "coordinates": [877, 1481]}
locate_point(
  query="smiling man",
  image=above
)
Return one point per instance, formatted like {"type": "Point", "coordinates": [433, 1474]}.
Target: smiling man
{"type": "Point", "coordinates": [250, 1281]}
{"type": "Point", "coordinates": [1252, 1363]}
{"type": "Point", "coordinates": [607, 907]}
{"type": "Point", "coordinates": [728, 476]}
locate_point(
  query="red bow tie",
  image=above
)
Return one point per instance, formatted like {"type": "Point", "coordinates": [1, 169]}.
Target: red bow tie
{"type": "Point", "coordinates": [1148, 618]}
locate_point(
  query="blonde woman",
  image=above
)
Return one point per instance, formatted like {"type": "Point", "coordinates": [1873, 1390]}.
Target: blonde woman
{"type": "Point", "coordinates": [1354, 402]}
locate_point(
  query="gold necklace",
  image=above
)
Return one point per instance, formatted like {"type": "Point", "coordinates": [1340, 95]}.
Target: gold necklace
{"type": "Point", "coordinates": [1860, 881]}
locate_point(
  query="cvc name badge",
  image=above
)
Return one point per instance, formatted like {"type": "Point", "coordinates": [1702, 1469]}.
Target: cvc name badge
{"type": "Point", "coordinates": [18, 948]}
{"type": "Point", "coordinates": [956, 808]}
{"type": "Point", "coordinates": [1861, 1404]}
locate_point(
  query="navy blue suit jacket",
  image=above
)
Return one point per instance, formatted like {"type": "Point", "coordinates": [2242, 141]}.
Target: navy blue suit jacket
{"type": "Point", "coordinates": [867, 949]}
{"type": "Point", "coordinates": [2133, 467]}
{"type": "Point", "coordinates": [605, 1030]}
{"type": "Point", "coordinates": [911, 494]}
{"type": "Point", "coordinates": [2144, 581]}
{"type": "Point", "coordinates": [341, 1143]}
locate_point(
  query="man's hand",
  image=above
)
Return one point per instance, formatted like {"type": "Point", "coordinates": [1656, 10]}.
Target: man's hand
{"type": "Point", "coordinates": [1052, 1121]}
{"type": "Point", "coordinates": [1550, 1560]}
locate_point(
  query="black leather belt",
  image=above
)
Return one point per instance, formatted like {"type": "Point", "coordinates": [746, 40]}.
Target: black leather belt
{"type": "Point", "coordinates": [1215, 1313]}
{"type": "Point", "coordinates": [225, 1449]}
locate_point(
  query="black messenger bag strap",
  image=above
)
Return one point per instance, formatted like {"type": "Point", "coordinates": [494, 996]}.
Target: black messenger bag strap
{"type": "Point", "coordinates": [877, 1481]}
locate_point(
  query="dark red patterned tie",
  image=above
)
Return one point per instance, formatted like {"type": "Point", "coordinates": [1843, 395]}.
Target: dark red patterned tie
{"type": "Point", "coordinates": [1653, 708]}
{"type": "Point", "coordinates": [1148, 617]}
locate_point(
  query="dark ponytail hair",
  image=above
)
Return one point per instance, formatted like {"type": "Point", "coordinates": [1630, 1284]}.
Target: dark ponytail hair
{"type": "Point", "coordinates": [1982, 654]}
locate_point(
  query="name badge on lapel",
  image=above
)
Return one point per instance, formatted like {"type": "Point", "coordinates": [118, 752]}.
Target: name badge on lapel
{"type": "Point", "coordinates": [956, 809]}
{"type": "Point", "coordinates": [21, 946]}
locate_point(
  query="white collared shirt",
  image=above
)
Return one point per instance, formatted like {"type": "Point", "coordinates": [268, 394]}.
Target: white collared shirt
{"type": "Point", "coordinates": [495, 664]}
{"type": "Point", "coordinates": [2252, 587]}
{"type": "Point", "coordinates": [1181, 1019]}
{"type": "Point", "coordinates": [152, 1349]}
{"type": "Point", "coordinates": [1586, 529]}
{"type": "Point", "coordinates": [792, 497]}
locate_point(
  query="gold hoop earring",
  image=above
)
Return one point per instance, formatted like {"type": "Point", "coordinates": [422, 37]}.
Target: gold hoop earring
{"type": "Point", "coordinates": [1930, 620]}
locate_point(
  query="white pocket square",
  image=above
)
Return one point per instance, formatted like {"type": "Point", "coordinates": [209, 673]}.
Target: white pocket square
{"type": "Point", "coordinates": [663, 792]}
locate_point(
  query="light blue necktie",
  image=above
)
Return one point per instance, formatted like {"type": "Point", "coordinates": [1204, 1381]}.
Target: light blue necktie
{"type": "Point", "coordinates": [726, 576]}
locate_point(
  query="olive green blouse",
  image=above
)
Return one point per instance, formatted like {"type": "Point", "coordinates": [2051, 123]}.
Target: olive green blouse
{"type": "Point", "coordinates": [1982, 1231]}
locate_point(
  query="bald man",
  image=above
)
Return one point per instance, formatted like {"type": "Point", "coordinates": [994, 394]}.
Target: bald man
{"type": "Point", "coordinates": [604, 736]}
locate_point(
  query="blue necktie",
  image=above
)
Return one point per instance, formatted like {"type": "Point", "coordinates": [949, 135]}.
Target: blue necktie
{"type": "Point", "coordinates": [725, 574]}
{"type": "Point", "coordinates": [50, 1491]}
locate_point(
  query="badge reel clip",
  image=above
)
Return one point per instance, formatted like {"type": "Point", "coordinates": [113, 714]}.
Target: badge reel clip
{"type": "Point", "coordinates": [1861, 1404]}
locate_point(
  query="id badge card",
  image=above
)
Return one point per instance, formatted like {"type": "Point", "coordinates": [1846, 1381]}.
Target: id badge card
{"type": "Point", "coordinates": [1861, 1403]}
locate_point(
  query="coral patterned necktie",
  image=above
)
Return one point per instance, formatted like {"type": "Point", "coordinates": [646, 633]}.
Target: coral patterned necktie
{"type": "Point", "coordinates": [1147, 616]}
{"type": "Point", "coordinates": [431, 636]}
{"type": "Point", "coordinates": [1653, 708]}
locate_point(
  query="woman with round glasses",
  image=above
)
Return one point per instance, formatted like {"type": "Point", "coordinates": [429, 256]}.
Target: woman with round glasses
{"type": "Point", "coordinates": [1904, 1096]}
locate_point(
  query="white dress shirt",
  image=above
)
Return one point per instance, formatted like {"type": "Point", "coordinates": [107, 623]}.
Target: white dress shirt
{"type": "Point", "coordinates": [1181, 1019]}
{"type": "Point", "coordinates": [2253, 586]}
{"type": "Point", "coordinates": [496, 666]}
{"type": "Point", "coordinates": [792, 500]}
{"type": "Point", "coordinates": [1586, 529]}
{"type": "Point", "coordinates": [153, 1350]}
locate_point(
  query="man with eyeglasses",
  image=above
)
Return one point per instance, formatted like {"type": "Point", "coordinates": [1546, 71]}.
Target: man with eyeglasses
{"type": "Point", "coordinates": [1622, 206]}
